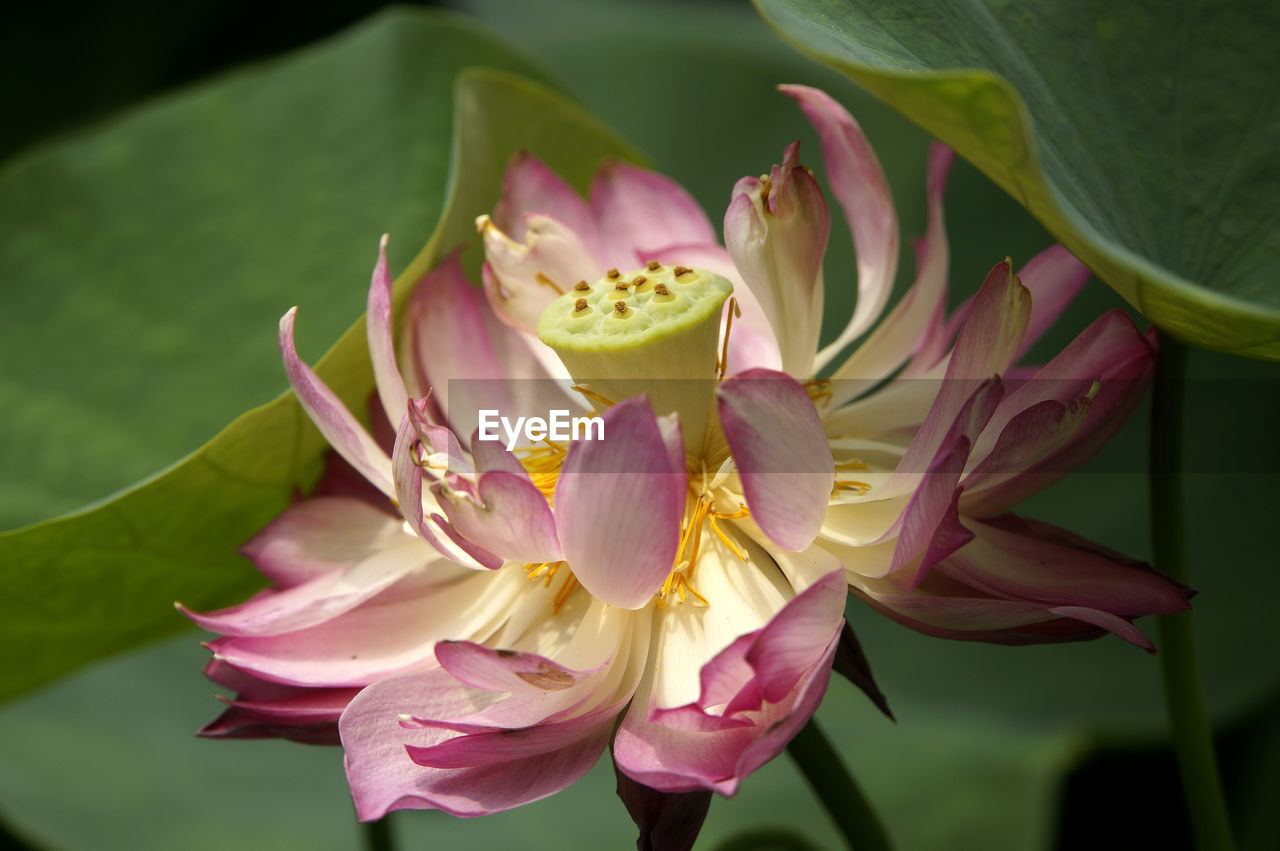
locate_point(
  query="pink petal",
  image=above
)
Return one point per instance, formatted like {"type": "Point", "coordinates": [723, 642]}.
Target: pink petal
{"type": "Point", "coordinates": [383, 777]}
{"type": "Point", "coordinates": [619, 503]}
{"type": "Point", "coordinates": [641, 210]}
{"type": "Point", "coordinates": [390, 634]}
{"type": "Point", "coordinates": [507, 516]}
{"type": "Point", "coordinates": [1027, 560]}
{"type": "Point", "coordinates": [529, 186]}
{"type": "Point", "coordinates": [781, 453]}
{"type": "Point", "coordinates": [1053, 277]}
{"type": "Point", "coordinates": [903, 331]}
{"type": "Point", "coordinates": [505, 670]}
{"type": "Point", "coordinates": [859, 185]}
{"type": "Point", "coordinates": [382, 351]}
{"type": "Point", "coordinates": [318, 600]}
{"type": "Point", "coordinates": [1110, 352]}
{"type": "Point", "coordinates": [343, 431]}
{"type": "Point", "coordinates": [508, 745]}
{"type": "Point", "coordinates": [319, 535]}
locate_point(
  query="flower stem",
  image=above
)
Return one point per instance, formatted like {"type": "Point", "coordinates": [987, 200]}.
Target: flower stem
{"type": "Point", "coordinates": [377, 836]}
{"type": "Point", "coordinates": [836, 788]}
{"type": "Point", "coordinates": [1192, 732]}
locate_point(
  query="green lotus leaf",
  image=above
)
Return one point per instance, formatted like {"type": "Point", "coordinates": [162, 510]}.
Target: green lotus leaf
{"type": "Point", "coordinates": [1142, 135]}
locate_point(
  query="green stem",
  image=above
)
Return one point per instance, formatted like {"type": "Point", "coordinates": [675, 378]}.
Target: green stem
{"type": "Point", "coordinates": [377, 836]}
{"type": "Point", "coordinates": [1192, 732]}
{"type": "Point", "coordinates": [837, 790]}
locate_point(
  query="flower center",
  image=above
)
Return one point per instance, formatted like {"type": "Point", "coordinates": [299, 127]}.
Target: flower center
{"type": "Point", "coordinates": [653, 331]}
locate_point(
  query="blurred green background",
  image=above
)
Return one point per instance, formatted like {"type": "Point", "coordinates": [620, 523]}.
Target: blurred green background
{"type": "Point", "coordinates": [126, 136]}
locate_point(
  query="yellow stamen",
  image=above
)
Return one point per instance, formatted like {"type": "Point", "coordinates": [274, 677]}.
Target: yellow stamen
{"type": "Point", "coordinates": [722, 364]}
{"type": "Point", "coordinates": [819, 390]}
{"type": "Point", "coordinates": [593, 395]}
{"type": "Point", "coordinates": [547, 282]}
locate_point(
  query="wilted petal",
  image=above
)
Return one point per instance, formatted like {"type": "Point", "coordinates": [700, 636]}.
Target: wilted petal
{"type": "Point", "coordinates": [618, 507]}
{"type": "Point", "coordinates": [859, 185]}
{"type": "Point", "coordinates": [781, 452]}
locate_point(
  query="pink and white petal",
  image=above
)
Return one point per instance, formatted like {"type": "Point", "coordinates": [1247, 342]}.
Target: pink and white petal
{"type": "Point", "coordinates": [529, 186]}
{"type": "Point", "coordinates": [743, 600]}
{"type": "Point", "coordinates": [320, 599]}
{"type": "Point", "coordinates": [1053, 277]}
{"type": "Point", "coordinates": [900, 333]}
{"type": "Point", "coordinates": [778, 688]}
{"type": "Point", "coordinates": [619, 503]}
{"type": "Point", "coordinates": [524, 277]}
{"type": "Point", "coordinates": [859, 185]}
{"type": "Point", "coordinates": [394, 633]}
{"type": "Point", "coordinates": [505, 670]}
{"type": "Point", "coordinates": [509, 744]}
{"type": "Point", "coordinates": [781, 452]}
{"type": "Point", "coordinates": [511, 518]}
{"type": "Point", "coordinates": [319, 535]}
{"type": "Point", "coordinates": [382, 350]}
{"type": "Point", "coordinates": [331, 417]}
{"type": "Point", "coordinates": [640, 210]}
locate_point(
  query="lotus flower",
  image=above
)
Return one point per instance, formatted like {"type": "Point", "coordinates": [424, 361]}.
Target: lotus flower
{"type": "Point", "coordinates": [476, 624]}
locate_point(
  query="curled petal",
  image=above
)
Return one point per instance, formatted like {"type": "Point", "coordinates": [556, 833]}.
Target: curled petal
{"type": "Point", "coordinates": [339, 427]}
{"type": "Point", "coordinates": [859, 185]}
{"type": "Point", "coordinates": [666, 822]}
{"type": "Point", "coordinates": [1053, 277]}
{"type": "Point", "coordinates": [781, 452]}
{"type": "Point", "coordinates": [383, 777]}
{"type": "Point", "coordinates": [507, 516]}
{"type": "Point", "coordinates": [408, 469]}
